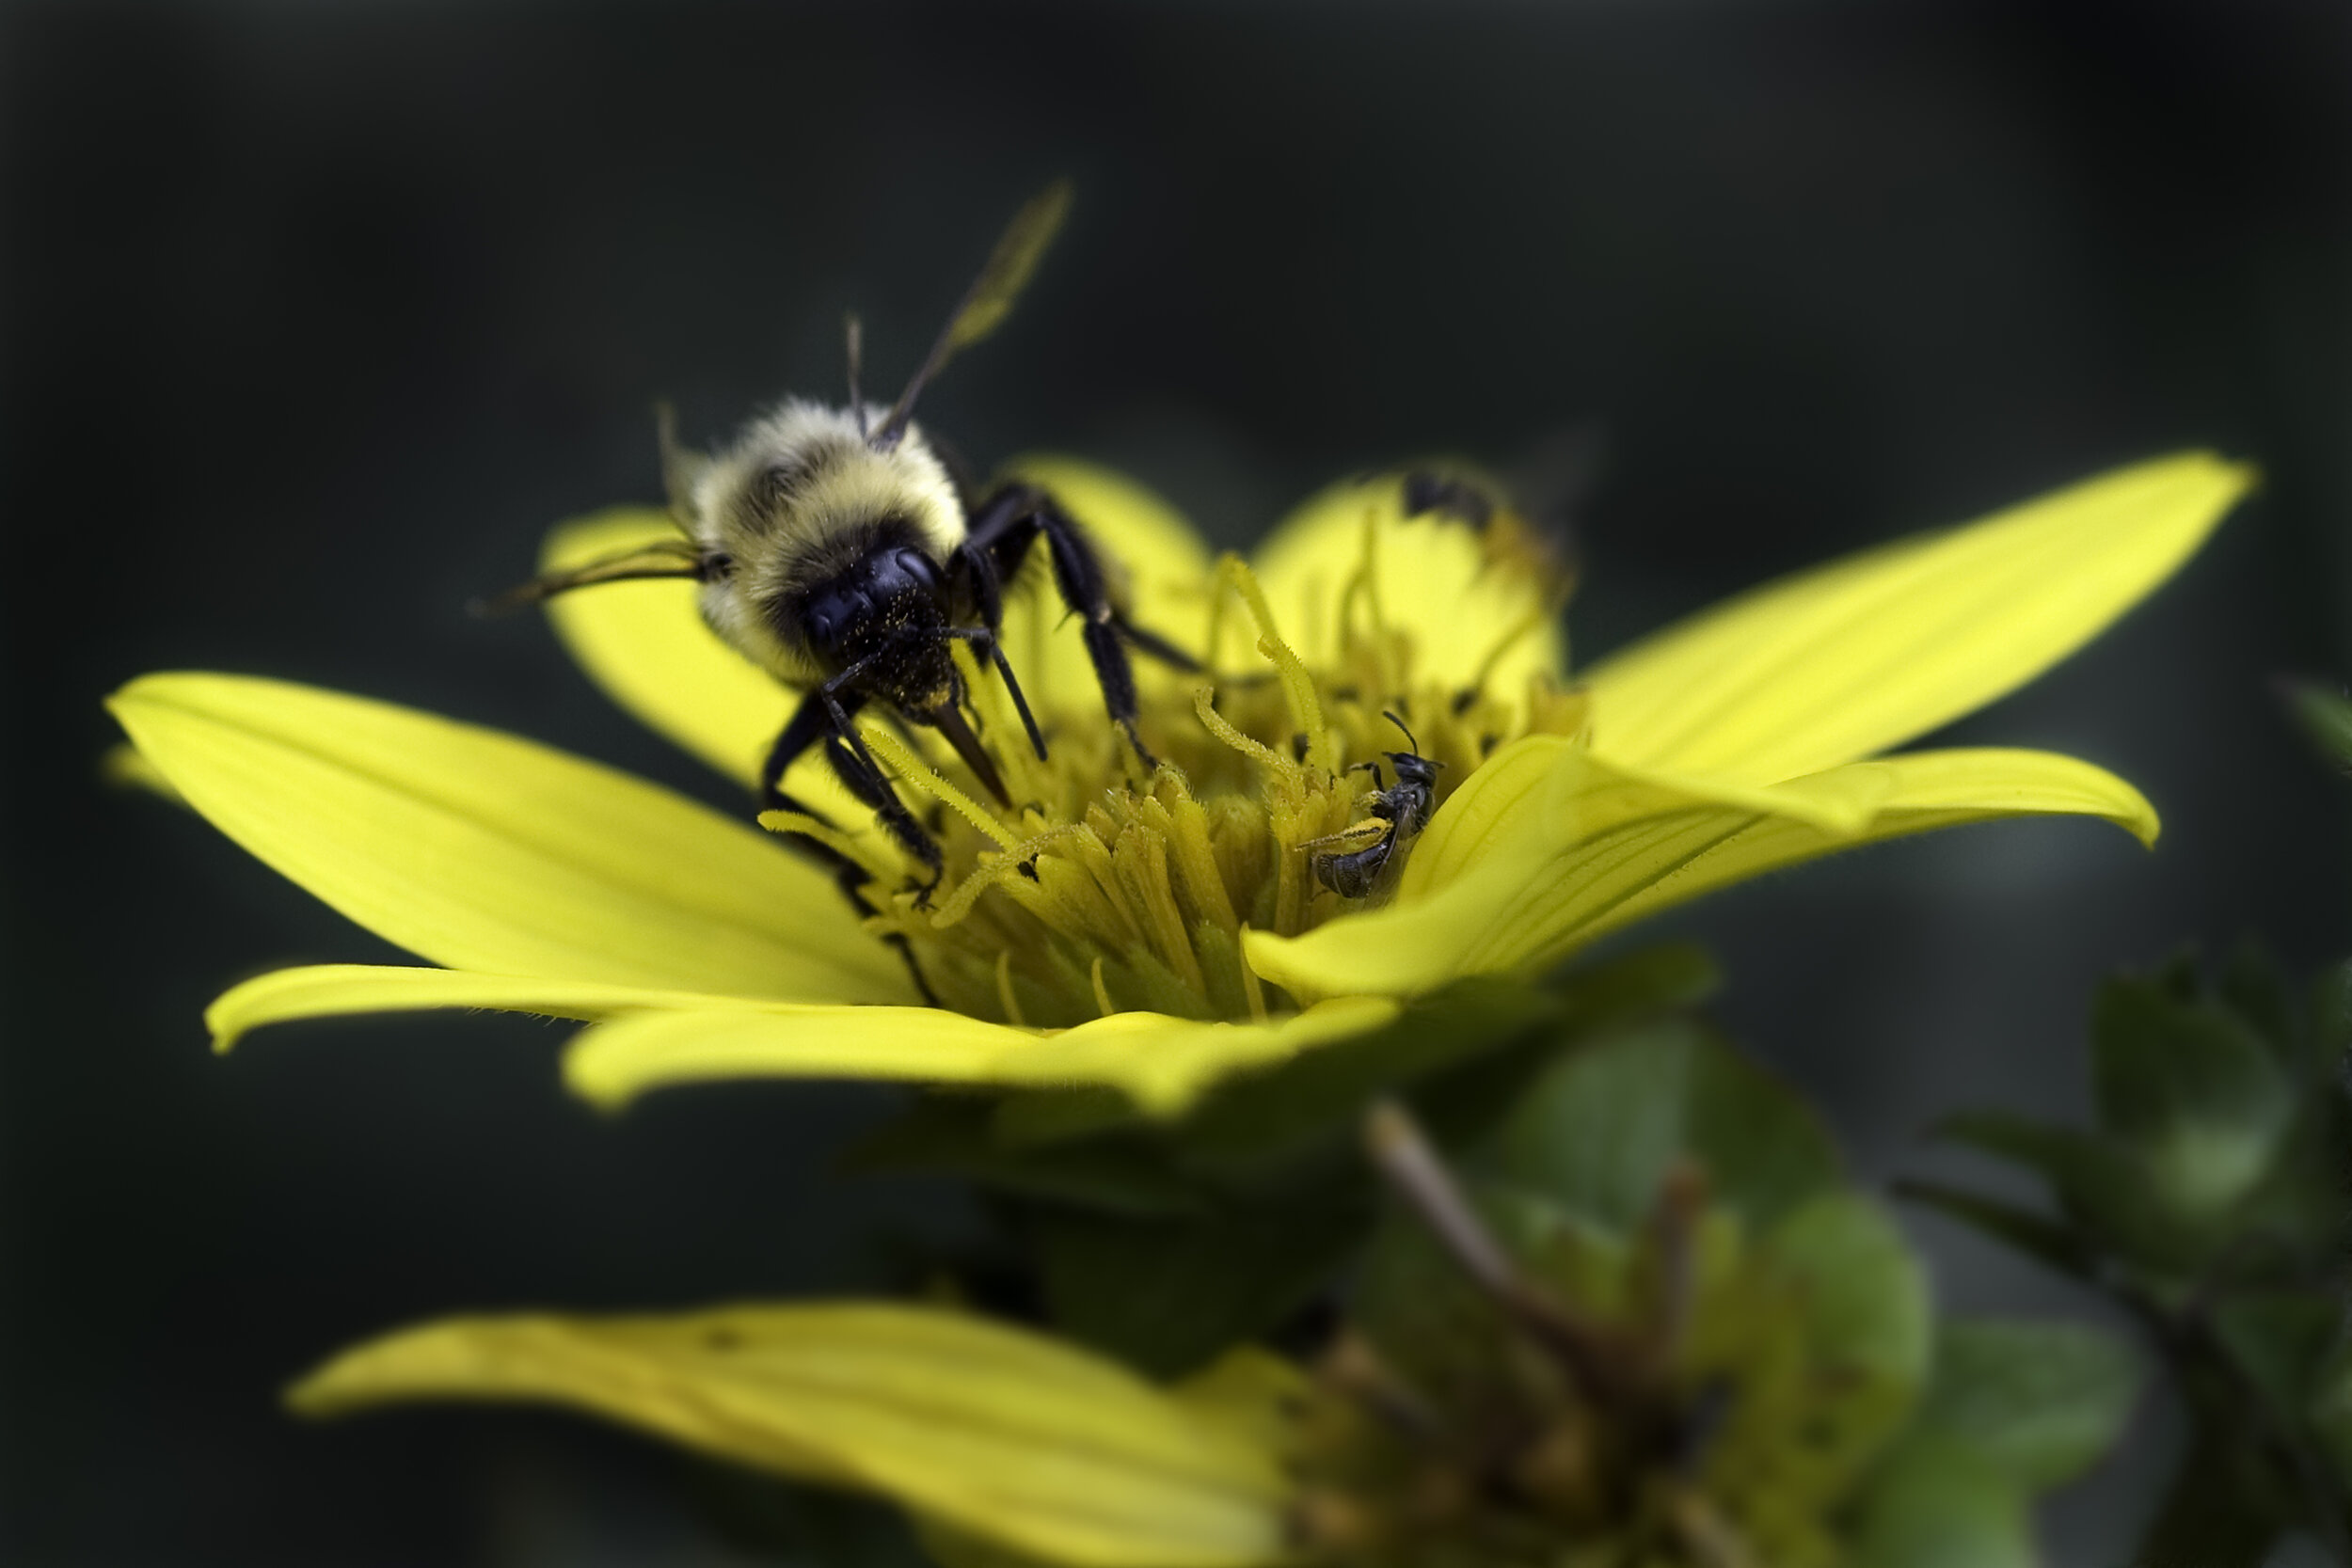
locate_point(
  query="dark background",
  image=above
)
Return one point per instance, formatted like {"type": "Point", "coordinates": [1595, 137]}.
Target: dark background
{"type": "Point", "coordinates": [316, 316]}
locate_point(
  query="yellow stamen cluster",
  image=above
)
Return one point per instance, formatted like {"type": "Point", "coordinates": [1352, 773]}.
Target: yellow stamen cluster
{"type": "Point", "coordinates": [1107, 888]}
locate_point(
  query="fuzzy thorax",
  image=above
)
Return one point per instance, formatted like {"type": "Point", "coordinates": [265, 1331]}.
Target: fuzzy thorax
{"type": "Point", "coordinates": [1108, 889]}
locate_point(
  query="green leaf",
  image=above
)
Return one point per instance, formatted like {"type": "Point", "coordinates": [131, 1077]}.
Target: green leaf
{"type": "Point", "coordinates": [1937, 1503]}
{"type": "Point", "coordinates": [2223, 1506]}
{"type": "Point", "coordinates": [953, 1134]}
{"type": "Point", "coordinates": [770, 1519]}
{"type": "Point", "coordinates": [1867, 1297]}
{"type": "Point", "coordinates": [2253, 985]}
{"type": "Point", "coordinates": [2331, 1023]}
{"type": "Point", "coordinates": [2193, 1090]}
{"type": "Point", "coordinates": [1304, 1109]}
{"type": "Point", "coordinates": [2281, 1342]}
{"type": "Point", "coordinates": [1599, 1132]}
{"type": "Point", "coordinates": [1415, 1302]}
{"type": "Point", "coordinates": [2103, 1185]}
{"type": "Point", "coordinates": [2037, 1235]}
{"type": "Point", "coordinates": [1318, 1098]}
{"type": "Point", "coordinates": [2040, 1401]}
{"type": "Point", "coordinates": [2326, 716]}
{"type": "Point", "coordinates": [951, 1547]}
{"type": "Point", "coordinates": [1167, 1295]}
{"type": "Point", "coordinates": [2330, 1410]}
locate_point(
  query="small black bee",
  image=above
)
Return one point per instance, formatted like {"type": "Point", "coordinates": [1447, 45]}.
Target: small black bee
{"type": "Point", "coordinates": [1405, 807]}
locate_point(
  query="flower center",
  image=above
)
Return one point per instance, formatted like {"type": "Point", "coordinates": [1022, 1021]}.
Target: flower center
{"type": "Point", "coordinates": [1106, 887]}
{"type": "Point", "coordinates": [1667, 1397]}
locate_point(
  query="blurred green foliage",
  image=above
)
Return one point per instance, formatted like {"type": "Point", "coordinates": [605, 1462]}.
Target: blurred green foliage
{"type": "Point", "coordinates": [1765, 1366]}
{"type": "Point", "coordinates": [2207, 1197]}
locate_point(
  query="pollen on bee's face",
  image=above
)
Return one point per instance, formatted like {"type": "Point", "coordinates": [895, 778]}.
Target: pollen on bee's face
{"type": "Point", "coordinates": [1109, 887]}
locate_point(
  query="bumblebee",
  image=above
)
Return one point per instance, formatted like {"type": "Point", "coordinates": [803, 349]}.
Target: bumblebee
{"type": "Point", "coordinates": [1403, 807]}
{"type": "Point", "coordinates": [837, 550]}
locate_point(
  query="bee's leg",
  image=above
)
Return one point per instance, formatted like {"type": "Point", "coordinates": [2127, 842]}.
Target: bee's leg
{"type": "Point", "coordinates": [865, 779]}
{"type": "Point", "coordinates": [999, 538]}
{"type": "Point", "coordinates": [978, 583]}
{"type": "Point", "coordinates": [993, 647]}
{"type": "Point", "coordinates": [825, 714]}
{"type": "Point", "coordinates": [810, 721]}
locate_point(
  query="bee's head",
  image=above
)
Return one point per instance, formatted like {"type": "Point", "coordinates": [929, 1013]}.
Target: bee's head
{"type": "Point", "coordinates": [801, 516]}
{"type": "Point", "coordinates": [1413, 770]}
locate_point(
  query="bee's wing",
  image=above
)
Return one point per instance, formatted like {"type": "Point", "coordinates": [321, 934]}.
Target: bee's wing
{"type": "Point", "coordinates": [662, 558]}
{"type": "Point", "coordinates": [1392, 869]}
{"type": "Point", "coordinates": [990, 299]}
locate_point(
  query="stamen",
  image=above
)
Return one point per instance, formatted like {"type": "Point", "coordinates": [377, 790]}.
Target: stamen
{"type": "Point", "coordinates": [1250, 985]}
{"type": "Point", "coordinates": [931, 782]}
{"type": "Point", "coordinates": [802, 825]}
{"type": "Point", "coordinates": [1273, 761]}
{"type": "Point", "coordinates": [997, 870]}
{"type": "Point", "coordinates": [1004, 990]}
{"type": "Point", "coordinates": [1298, 686]}
{"type": "Point", "coordinates": [1141, 858]}
{"type": "Point", "coordinates": [1104, 876]}
{"type": "Point", "coordinates": [1187, 827]}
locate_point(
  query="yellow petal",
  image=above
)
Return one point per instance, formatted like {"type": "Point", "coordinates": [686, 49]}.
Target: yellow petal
{"type": "Point", "coordinates": [1252, 1393]}
{"type": "Point", "coordinates": [1014, 1436]}
{"type": "Point", "coordinates": [1594, 848]}
{"type": "Point", "coordinates": [483, 851]}
{"type": "Point", "coordinates": [1161, 1063]}
{"type": "Point", "coordinates": [1154, 552]}
{"type": "Point", "coordinates": [1165, 562]}
{"type": "Point", "coordinates": [340, 990]}
{"type": "Point", "coordinates": [122, 766]}
{"type": "Point", "coordinates": [646, 645]}
{"type": "Point", "coordinates": [1865, 653]}
{"type": "Point", "coordinates": [1435, 579]}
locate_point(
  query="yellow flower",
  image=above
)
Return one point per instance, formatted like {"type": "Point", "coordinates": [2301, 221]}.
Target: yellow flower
{"type": "Point", "coordinates": [979, 1427]}
{"type": "Point", "coordinates": [1709, 1393]}
{"type": "Point", "coordinates": [1155, 933]}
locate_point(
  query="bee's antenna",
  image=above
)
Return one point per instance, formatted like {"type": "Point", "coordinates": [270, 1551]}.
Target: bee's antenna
{"type": "Point", "coordinates": [1414, 746]}
{"type": "Point", "coordinates": [987, 302]}
{"type": "Point", "coordinates": [656, 558]}
{"type": "Point", "coordinates": [853, 346]}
